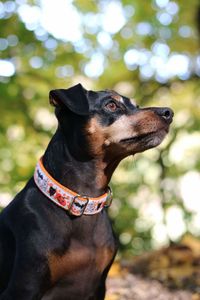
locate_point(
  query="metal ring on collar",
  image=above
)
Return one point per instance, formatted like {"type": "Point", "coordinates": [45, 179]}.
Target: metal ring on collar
{"type": "Point", "coordinates": [109, 197]}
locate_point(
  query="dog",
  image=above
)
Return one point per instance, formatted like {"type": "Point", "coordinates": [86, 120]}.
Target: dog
{"type": "Point", "coordinates": [56, 240]}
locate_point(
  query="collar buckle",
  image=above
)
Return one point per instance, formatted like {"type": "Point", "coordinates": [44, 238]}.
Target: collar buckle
{"type": "Point", "coordinates": [77, 207]}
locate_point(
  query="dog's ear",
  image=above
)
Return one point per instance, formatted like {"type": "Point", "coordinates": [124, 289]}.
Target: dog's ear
{"type": "Point", "coordinates": [74, 98]}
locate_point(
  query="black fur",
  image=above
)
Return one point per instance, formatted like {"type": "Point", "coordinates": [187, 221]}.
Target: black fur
{"type": "Point", "coordinates": [33, 229]}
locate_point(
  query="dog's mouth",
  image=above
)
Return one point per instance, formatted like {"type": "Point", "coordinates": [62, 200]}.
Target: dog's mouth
{"type": "Point", "coordinates": [145, 136]}
{"type": "Point", "coordinates": [136, 139]}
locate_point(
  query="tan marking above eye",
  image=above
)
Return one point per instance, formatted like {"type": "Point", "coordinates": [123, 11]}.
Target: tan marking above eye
{"type": "Point", "coordinates": [117, 98]}
{"type": "Point", "coordinates": [133, 102]}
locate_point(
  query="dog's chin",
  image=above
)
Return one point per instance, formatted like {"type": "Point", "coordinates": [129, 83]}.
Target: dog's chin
{"type": "Point", "coordinates": [155, 140]}
{"type": "Point", "coordinates": [144, 141]}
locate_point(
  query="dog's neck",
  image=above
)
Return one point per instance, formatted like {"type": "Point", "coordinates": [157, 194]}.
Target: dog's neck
{"type": "Point", "coordinates": [84, 175]}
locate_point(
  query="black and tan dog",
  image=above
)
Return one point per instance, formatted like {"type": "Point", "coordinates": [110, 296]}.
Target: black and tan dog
{"type": "Point", "coordinates": [56, 241]}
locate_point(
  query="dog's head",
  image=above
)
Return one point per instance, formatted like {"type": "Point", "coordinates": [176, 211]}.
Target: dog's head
{"type": "Point", "coordinates": [109, 122]}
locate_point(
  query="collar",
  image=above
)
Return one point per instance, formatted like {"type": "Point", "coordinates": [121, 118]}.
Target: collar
{"type": "Point", "coordinates": [69, 200]}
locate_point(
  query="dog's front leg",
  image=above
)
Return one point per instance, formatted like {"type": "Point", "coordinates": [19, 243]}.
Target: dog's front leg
{"type": "Point", "coordinates": [30, 277]}
{"type": "Point", "coordinates": [101, 289]}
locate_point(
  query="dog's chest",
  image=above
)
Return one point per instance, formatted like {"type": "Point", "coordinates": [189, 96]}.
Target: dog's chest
{"type": "Point", "coordinates": [80, 259]}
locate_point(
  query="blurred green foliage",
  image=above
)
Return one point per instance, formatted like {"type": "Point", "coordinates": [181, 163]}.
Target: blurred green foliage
{"type": "Point", "coordinates": [149, 195]}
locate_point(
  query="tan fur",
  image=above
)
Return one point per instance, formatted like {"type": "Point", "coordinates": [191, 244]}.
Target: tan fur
{"type": "Point", "coordinates": [96, 136]}
{"type": "Point", "coordinates": [117, 98]}
{"type": "Point", "coordinates": [104, 257]}
{"type": "Point", "coordinates": [133, 101]}
{"type": "Point", "coordinates": [125, 127]}
{"type": "Point", "coordinates": [103, 138]}
{"type": "Point", "coordinates": [78, 259]}
{"type": "Point", "coordinates": [72, 261]}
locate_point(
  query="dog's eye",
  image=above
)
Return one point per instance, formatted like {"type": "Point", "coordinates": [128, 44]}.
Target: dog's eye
{"type": "Point", "coordinates": [111, 106]}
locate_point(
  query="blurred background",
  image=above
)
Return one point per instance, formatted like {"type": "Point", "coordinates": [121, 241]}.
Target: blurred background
{"type": "Point", "coordinates": [147, 50]}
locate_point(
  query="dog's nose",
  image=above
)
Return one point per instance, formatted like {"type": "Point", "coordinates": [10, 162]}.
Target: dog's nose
{"type": "Point", "coordinates": [166, 113]}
